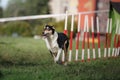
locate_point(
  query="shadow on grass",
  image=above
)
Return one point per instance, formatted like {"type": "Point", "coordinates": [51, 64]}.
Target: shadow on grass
{"type": "Point", "coordinates": [10, 63]}
{"type": "Point", "coordinates": [6, 43]}
{"type": "Point", "coordinates": [1, 75]}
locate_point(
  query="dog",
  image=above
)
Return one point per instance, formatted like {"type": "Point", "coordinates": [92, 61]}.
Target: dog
{"type": "Point", "coordinates": [56, 43]}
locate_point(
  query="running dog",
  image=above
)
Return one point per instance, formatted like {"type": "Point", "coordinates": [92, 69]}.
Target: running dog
{"type": "Point", "coordinates": [56, 43]}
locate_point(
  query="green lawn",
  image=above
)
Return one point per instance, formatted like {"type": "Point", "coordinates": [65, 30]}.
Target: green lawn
{"type": "Point", "coordinates": [29, 59]}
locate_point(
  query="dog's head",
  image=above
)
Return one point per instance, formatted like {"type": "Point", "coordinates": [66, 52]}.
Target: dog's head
{"type": "Point", "coordinates": [48, 30]}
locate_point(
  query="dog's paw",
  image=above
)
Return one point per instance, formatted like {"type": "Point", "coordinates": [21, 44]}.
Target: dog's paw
{"type": "Point", "coordinates": [59, 62]}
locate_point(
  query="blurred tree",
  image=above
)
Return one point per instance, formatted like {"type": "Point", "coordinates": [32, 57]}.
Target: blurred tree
{"type": "Point", "coordinates": [26, 7]}
{"type": "Point", "coordinates": [1, 11]}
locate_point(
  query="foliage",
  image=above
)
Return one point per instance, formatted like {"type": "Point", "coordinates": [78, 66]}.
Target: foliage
{"type": "Point", "coordinates": [26, 7]}
{"type": "Point", "coordinates": [21, 28]}
{"type": "Point", "coordinates": [1, 29]}
{"type": "Point", "coordinates": [1, 12]}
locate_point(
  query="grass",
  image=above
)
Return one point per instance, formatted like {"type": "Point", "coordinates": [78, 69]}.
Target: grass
{"type": "Point", "coordinates": [29, 59]}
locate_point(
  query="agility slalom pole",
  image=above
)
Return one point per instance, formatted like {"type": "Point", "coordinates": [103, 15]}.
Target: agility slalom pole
{"type": "Point", "coordinates": [83, 42]}
{"type": "Point", "coordinates": [109, 37]}
{"type": "Point", "coordinates": [71, 37]}
{"type": "Point", "coordinates": [115, 42]}
{"type": "Point", "coordinates": [88, 43]}
{"type": "Point", "coordinates": [93, 43]}
{"type": "Point", "coordinates": [116, 46]}
{"type": "Point", "coordinates": [118, 43]}
{"type": "Point", "coordinates": [66, 21]}
{"type": "Point", "coordinates": [98, 35]}
{"type": "Point", "coordinates": [78, 36]}
{"type": "Point", "coordinates": [106, 38]}
{"type": "Point", "coordinates": [65, 32]}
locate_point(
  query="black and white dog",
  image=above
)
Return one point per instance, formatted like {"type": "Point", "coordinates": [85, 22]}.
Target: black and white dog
{"type": "Point", "coordinates": [56, 42]}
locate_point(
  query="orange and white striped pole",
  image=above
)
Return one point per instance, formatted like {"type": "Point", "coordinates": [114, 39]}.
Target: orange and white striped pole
{"type": "Point", "coordinates": [93, 43]}
{"type": "Point", "coordinates": [116, 47]}
{"type": "Point", "coordinates": [118, 43]}
{"type": "Point", "coordinates": [98, 35]}
{"type": "Point", "coordinates": [65, 32]}
{"type": "Point", "coordinates": [83, 41]}
{"type": "Point", "coordinates": [71, 38]}
{"type": "Point", "coordinates": [109, 37]}
{"type": "Point", "coordinates": [106, 38]}
{"type": "Point", "coordinates": [88, 43]}
{"type": "Point", "coordinates": [115, 42]}
{"type": "Point", "coordinates": [78, 36]}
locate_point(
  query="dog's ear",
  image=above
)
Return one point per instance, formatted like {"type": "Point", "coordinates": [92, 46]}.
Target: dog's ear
{"type": "Point", "coordinates": [46, 26]}
{"type": "Point", "coordinates": [53, 27]}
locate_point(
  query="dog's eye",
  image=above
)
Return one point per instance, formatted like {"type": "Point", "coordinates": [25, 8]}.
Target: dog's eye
{"type": "Point", "coordinates": [48, 29]}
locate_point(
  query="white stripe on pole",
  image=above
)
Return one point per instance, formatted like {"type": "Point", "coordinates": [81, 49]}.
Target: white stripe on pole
{"type": "Point", "coordinates": [94, 56]}
{"type": "Point", "coordinates": [66, 20]}
{"type": "Point", "coordinates": [109, 52]}
{"type": "Point", "coordinates": [83, 52]}
{"type": "Point", "coordinates": [70, 55]}
{"type": "Point", "coordinates": [72, 22]}
{"type": "Point", "coordinates": [113, 51]}
{"type": "Point", "coordinates": [79, 19]}
{"type": "Point", "coordinates": [85, 23]}
{"type": "Point", "coordinates": [105, 51]}
{"type": "Point", "coordinates": [76, 57]}
{"type": "Point", "coordinates": [98, 30]}
{"type": "Point", "coordinates": [110, 25]}
{"type": "Point", "coordinates": [92, 24]}
{"type": "Point", "coordinates": [88, 54]}
{"type": "Point", "coordinates": [87, 26]}
{"type": "Point", "coordinates": [107, 25]}
{"type": "Point", "coordinates": [63, 56]}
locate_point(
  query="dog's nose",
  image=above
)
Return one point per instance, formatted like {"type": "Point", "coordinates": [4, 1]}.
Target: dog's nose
{"type": "Point", "coordinates": [42, 32]}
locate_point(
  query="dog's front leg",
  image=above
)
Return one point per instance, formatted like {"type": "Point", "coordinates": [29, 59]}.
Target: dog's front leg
{"type": "Point", "coordinates": [58, 55]}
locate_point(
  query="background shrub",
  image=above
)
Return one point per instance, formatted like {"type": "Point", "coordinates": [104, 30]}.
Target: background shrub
{"type": "Point", "coordinates": [21, 28]}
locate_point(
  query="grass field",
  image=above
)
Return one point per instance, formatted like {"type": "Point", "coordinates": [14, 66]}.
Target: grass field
{"type": "Point", "coordinates": [29, 59]}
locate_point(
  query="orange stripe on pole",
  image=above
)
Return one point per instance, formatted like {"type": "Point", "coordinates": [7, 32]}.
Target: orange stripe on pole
{"type": "Point", "coordinates": [77, 41]}
{"type": "Point", "coordinates": [83, 42]}
{"type": "Point", "coordinates": [71, 38]}
{"type": "Point", "coordinates": [98, 34]}
{"type": "Point", "coordinates": [88, 44]}
{"type": "Point", "coordinates": [93, 42]}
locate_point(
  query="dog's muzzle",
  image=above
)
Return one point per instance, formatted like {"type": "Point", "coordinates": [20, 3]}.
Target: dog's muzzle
{"type": "Point", "coordinates": [45, 35]}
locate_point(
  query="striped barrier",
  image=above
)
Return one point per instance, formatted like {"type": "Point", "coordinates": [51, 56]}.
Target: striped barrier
{"type": "Point", "coordinates": [80, 56]}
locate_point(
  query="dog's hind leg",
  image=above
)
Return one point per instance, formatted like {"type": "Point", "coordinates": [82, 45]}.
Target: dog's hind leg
{"type": "Point", "coordinates": [65, 52]}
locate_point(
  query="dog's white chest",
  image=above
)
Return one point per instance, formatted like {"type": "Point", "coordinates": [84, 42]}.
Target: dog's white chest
{"type": "Point", "coordinates": [52, 45]}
